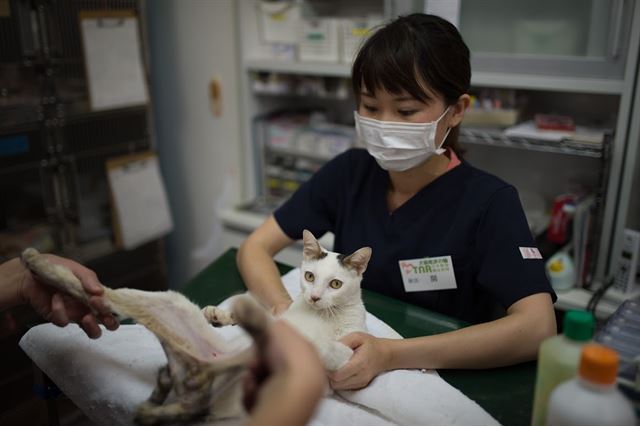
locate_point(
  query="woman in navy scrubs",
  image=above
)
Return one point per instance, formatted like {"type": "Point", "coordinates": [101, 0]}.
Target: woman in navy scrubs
{"type": "Point", "coordinates": [445, 235]}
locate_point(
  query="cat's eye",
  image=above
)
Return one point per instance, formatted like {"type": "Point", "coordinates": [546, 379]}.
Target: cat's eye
{"type": "Point", "coordinates": [335, 284]}
{"type": "Point", "coordinates": [309, 276]}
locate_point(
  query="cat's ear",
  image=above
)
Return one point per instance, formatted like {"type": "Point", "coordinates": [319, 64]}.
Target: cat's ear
{"type": "Point", "coordinates": [311, 247]}
{"type": "Point", "coordinates": [358, 260]}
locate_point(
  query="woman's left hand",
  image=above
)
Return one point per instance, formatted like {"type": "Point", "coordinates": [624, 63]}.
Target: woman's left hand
{"type": "Point", "coordinates": [370, 357]}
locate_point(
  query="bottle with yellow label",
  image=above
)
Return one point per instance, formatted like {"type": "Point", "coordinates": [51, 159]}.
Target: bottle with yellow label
{"type": "Point", "coordinates": [561, 271]}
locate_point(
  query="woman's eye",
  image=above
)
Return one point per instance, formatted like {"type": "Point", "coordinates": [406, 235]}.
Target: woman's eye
{"type": "Point", "coordinates": [335, 284]}
{"type": "Point", "coordinates": [309, 276]}
{"type": "Point", "coordinates": [407, 112]}
{"type": "Point", "coordinates": [369, 108]}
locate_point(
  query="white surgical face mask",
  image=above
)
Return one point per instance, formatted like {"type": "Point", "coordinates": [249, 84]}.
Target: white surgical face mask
{"type": "Point", "coordinates": [399, 146]}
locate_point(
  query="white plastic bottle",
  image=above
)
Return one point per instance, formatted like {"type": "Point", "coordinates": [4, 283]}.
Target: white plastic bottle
{"type": "Point", "coordinates": [558, 359]}
{"type": "Point", "coordinates": [592, 398]}
{"type": "Point", "coordinates": [561, 272]}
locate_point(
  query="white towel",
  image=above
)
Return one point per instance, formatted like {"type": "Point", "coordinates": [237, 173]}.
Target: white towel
{"type": "Point", "coordinates": [107, 378]}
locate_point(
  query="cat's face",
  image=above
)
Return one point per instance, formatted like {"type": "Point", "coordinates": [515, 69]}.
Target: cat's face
{"type": "Point", "coordinates": [329, 279]}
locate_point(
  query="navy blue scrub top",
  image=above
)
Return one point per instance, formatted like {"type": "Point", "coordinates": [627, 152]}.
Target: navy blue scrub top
{"type": "Point", "coordinates": [466, 213]}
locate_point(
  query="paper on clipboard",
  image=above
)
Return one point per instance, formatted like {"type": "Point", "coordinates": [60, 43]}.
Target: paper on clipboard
{"type": "Point", "coordinates": [113, 59]}
{"type": "Point", "coordinates": [141, 211]}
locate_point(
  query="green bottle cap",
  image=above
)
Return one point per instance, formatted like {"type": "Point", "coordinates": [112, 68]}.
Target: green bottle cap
{"type": "Point", "coordinates": [579, 325]}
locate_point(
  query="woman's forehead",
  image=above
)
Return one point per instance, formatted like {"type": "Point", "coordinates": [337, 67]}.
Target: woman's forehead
{"type": "Point", "coordinates": [399, 95]}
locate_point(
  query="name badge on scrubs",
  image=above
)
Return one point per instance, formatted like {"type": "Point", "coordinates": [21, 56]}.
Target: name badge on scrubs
{"type": "Point", "coordinates": [427, 274]}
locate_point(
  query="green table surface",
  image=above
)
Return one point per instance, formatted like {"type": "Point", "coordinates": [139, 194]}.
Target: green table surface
{"type": "Point", "coordinates": [506, 393]}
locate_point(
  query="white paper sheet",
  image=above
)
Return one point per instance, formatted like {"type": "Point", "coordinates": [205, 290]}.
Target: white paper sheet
{"type": "Point", "coordinates": [113, 62]}
{"type": "Point", "coordinates": [140, 202]}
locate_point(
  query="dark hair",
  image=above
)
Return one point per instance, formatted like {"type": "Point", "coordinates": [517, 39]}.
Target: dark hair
{"type": "Point", "coordinates": [413, 48]}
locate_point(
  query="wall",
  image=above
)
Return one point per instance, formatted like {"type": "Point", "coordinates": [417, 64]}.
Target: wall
{"type": "Point", "coordinates": [190, 43]}
{"type": "Point", "coordinates": [633, 215]}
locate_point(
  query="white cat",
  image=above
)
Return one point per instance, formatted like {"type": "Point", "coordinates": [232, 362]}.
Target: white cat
{"type": "Point", "coordinates": [330, 303]}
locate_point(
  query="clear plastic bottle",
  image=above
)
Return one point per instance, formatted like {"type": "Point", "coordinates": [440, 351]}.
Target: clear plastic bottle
{"type": "Point", "coordinates": [558, 359]}
{"type": "Point", "coordinates": [592, 398]}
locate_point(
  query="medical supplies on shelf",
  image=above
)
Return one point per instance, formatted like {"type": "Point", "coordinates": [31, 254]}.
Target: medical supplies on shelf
{"type": "Point", "coordinates": [295, 145]}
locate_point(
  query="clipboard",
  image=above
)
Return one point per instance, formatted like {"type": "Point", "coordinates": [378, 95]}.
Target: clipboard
{"type": "Point", "coordinates": [140, 208]}
{"type": "Point", "coordinates": [113, 59]}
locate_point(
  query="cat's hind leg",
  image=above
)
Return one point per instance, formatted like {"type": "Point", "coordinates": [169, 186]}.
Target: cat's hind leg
{"type": "Point", "coordinates": [164, 384]}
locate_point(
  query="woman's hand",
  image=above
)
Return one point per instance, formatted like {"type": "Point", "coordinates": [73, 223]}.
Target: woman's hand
{"type": "Point", "coordinates": [60, 308]}
{"type": "Point", "coordinates": [371, 356]}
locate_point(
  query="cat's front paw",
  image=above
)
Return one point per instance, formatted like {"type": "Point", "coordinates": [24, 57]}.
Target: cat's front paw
{"type": "Point", "coordinates": [218, 317]}
{"type": "Point", "coordinates": [336, 356]}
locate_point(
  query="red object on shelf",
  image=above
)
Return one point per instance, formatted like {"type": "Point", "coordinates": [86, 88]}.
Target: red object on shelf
{"type": "Point", "coordinates": [557, 232]}
{"type": "Point", "coordinates": [554, 122]}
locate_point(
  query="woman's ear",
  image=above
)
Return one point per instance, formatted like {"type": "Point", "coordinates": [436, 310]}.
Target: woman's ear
{"type": "Point", "coordinates": [458, 110]}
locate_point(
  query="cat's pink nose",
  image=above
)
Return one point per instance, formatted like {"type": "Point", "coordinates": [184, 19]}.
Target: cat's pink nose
{"type": "Point", "coordinates": [314, 299]}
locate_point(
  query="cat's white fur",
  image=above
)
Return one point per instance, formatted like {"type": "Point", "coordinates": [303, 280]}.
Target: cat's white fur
{"type": "Point", "coordinates": [324, 314]}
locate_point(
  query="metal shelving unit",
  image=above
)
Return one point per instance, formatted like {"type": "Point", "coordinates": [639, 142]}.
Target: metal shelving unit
{"type": "Point", "coordinates": [496, 137]}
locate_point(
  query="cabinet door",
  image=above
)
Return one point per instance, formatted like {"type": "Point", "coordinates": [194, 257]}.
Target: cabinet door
{"type": "Point", "coordinates": [579, 38]}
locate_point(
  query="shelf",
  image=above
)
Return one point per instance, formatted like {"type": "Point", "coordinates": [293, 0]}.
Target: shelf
{"type": "Point", "coordinates": [298, 153]}
{"type": "Point", "coordinates": [300, 96]}
{"type": "Point", "coordinates": [329, 69]}
{"type": "Point", "coordinates": [480, 79]}
{"type": "Point", "coordinates": [578, 298]}
{"type": "Point", "coordinates": [247, 221]}
{"type": "Point", "coordinates": [543, 82]}
{"type": "Point", "coordinates": [80, 111]}
{"type": "Point", "coordinates": [495, 137]}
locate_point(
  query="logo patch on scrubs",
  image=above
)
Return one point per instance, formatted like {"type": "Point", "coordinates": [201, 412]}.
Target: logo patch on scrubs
{"type": "Point", "coordinates": [530, 253]}
{"type": "Point", "coordinates": [429, 273]}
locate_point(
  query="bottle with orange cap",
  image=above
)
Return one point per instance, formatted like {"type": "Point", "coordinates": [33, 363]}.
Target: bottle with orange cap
{"type": "Point", "coordinates": [558, 359]}
{"type": "Point", "coordinates": [592, 398]}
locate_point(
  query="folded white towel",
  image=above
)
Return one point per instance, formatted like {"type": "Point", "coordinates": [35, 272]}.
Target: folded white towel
{"type": "Point", "coordinates": [107, 378]}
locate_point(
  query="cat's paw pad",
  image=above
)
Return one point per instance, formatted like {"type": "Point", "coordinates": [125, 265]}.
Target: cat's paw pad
{"type": "Point", "coordinates": [218, 317]}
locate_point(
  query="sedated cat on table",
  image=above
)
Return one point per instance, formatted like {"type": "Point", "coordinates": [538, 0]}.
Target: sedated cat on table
{"type": "Point", "coordinates": [202, 378]}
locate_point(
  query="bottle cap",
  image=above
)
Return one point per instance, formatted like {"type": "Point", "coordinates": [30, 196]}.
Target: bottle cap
{"type": "Point", "coordinates": [579, 325]}
{"type": "Point", "coordinates": [598, 364]}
